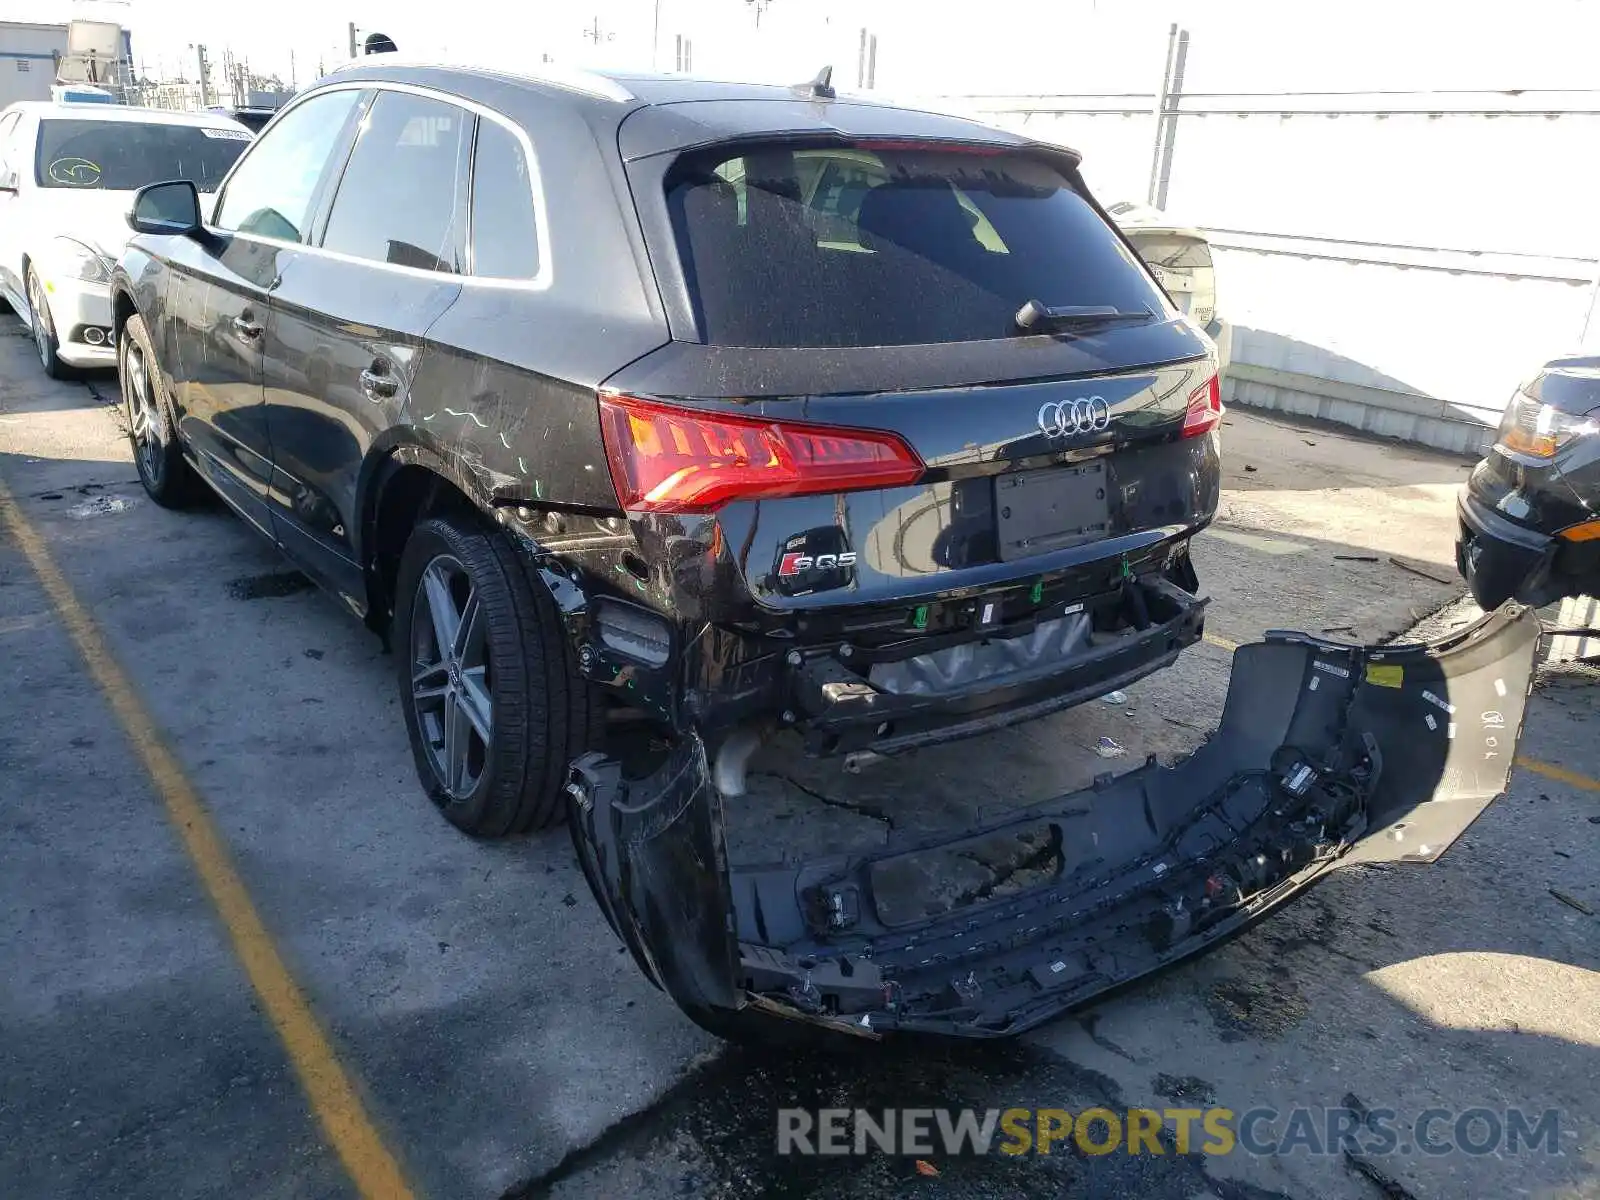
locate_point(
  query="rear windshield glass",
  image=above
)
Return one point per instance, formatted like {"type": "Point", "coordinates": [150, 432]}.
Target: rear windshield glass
{"type": "Point", "coordinates": [868, 245]}
{"type": "Point", "coordinates": [124, 155]}
{"type": "Point", "coordinates": [1170, 251]}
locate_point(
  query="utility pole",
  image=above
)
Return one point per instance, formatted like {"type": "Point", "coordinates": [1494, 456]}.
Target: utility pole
{"type": "Point", "coordinates": [353, 50]}
{"type": "Point", "coordinates": [655, 36]}
{"type": "Point", "coordinates": [205, 75]}
{"type": "Point", "coordinates": [294, 85]}
{"type": "Point", "coordinates": [1167, 100]}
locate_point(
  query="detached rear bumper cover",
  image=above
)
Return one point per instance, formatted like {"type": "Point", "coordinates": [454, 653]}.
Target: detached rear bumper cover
{"type": "Point", "coordinates": [1327, 754]}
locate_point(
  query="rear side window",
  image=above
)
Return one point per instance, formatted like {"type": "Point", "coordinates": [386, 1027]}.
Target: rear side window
{"type": "Point", "coordinates": [505, 237]}
{"type": "Point", "coordinates": [870, 245]}
{"type": "Point", "coordinates": [402, 197]}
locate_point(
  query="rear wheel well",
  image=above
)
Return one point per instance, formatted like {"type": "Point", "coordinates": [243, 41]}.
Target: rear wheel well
{"type": "Point", "coordinates": [409, 495]}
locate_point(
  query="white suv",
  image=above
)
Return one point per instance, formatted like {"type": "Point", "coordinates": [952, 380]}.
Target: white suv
{"type": "Point", "coordinates": [67, 176]}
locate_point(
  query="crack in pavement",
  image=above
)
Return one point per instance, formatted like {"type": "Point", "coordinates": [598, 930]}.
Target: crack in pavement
{"type": "Point", "coordinates": [860, 808]}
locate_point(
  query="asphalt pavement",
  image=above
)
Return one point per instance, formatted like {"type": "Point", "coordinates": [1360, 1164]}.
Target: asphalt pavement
{"type": "Point", "coordinates": [183, 715]}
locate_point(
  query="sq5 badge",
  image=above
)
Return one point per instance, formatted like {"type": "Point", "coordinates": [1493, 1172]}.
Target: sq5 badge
{"type": "Point", "coordinates": [818, 560]}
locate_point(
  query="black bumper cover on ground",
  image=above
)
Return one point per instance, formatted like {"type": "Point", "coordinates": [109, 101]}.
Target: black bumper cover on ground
{"type": "Point", "coordinates": [1326, 754]}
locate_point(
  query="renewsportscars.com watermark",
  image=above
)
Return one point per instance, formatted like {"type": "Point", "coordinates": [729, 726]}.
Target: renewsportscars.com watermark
{"type": "Point", "coordinates": [1371, 1132]}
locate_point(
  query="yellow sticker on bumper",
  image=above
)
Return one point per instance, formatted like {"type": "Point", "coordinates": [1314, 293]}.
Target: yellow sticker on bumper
{"type": "Point", "coordinates": [1390, 675]}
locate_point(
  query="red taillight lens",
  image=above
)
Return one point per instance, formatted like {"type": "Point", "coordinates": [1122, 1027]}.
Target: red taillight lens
{"type": "Point", "coordinates": [667, 458]}
{"type": "Point", "coordinates": [1205, 408]}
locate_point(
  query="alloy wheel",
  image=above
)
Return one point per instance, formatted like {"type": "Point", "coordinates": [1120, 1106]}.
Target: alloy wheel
{"type": "Point", "coordinates": [450, 684]}
{"type": "Point", "coordinates": [144, 420]}
{"type": "Point", "coordinates": [40, 312]}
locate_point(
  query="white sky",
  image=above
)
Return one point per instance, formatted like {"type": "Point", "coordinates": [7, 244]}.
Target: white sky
{"type": "Point", "coordinates": [924, 45]}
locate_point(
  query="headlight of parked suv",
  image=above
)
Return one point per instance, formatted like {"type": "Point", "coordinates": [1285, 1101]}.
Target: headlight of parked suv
{"type": "Point", "coordinates": [1539, 431]}
{"type": "Point", "coordinates": [78, 261]}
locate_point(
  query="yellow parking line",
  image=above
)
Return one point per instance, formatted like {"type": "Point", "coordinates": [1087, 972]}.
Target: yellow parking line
{"type": "Point", "coordinates": [1548, 770]}
{"type": "Point", "coordinates": [1560, 774]}
{"type": "Point", "coordinates": [333, 1096]}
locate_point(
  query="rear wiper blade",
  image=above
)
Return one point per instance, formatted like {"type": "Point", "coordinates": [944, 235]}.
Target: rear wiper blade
{"type": "Point", "coordinates": [1034, 317]}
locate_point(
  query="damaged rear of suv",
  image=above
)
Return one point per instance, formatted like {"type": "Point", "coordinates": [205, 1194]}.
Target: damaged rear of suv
{"type": "Point", "coordinates": [715, 413]}
{"type": "Point", "coordinates": [927, 462]}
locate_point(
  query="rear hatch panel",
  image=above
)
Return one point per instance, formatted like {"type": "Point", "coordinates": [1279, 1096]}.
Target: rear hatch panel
{"type": "Point", "coordinates": [1327, 754]}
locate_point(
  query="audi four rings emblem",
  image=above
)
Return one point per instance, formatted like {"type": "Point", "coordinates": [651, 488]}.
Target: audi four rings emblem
{"type": "Point", "coordinates": [1086, 414]}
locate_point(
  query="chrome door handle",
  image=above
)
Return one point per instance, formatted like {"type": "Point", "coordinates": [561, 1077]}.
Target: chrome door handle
{"type": "Point", "coordinates": [246, 328]}
{"type": "Point", "coordinates": [378, 387]}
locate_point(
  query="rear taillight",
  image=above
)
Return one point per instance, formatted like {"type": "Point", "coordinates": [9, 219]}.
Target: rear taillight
{"type": "Point", "coordinates": [668, 458]}
{"type": "Point", "coordinates": [1205, 408]}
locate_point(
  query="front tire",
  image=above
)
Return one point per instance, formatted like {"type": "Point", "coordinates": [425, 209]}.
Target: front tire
{"type": "Point", "coordinates": [493, 704]}
{"type": "Point", "coordinates": [167, 478]}
{"type": "Point", "coordinates": [45, 341]}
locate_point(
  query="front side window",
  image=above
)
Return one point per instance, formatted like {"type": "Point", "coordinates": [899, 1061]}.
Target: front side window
{"type": "Point", "coordinates": [505, 237]}
{"type": "Point", "coordinates": [271, 193]}
{"type": "Point", "coordinates": [402, 197]}
{"type": "Point", "coordinates": [125, 155]}
{"type": "Point", "coordinates": [888, 244]}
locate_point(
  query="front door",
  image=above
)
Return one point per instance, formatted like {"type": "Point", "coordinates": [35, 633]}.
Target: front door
{"type": "Point", "coordinates": [218, 296]}
{"type": "Point", "coordinates": [16, 168]}
{"type": "Point", "coordinates": [215, 297]}
{"type": "Point", "coordinates": [344, 339]}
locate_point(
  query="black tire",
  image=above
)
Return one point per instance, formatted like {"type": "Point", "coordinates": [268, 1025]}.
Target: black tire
{"type": "Point", "coordinates": [168, 478]}
{"type": "Point", "coordinates": [43, 329]}
{"type": "Point", "coordinates": [543, 713]}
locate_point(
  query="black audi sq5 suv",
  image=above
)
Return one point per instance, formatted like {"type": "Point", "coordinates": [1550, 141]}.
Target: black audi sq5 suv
{"type": "Point", "coordinates": [723, 412]}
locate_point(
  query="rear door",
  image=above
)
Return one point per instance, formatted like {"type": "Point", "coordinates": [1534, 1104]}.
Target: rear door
{"type": "Point", "coordinates": [217, 297]}
{"type": "Point", "coordinates": [346, 321]}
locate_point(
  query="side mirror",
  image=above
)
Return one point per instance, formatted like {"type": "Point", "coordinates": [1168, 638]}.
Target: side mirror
{"type": "Point", "coordinates": [166, 208]}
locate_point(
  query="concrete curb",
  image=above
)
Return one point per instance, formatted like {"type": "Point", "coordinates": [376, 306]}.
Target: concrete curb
{"type": "Point", "coordinates": [1410, 417]}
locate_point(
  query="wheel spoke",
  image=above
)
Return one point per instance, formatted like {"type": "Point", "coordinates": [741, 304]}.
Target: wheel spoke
{"type": "Point", "coordinates": [469, 632]}
{"type": "Point", "coordinates": [441, 608]}
{"type": "Point", "coordinates": [476, 703]}
{"type": "Point", "coordinates": [453, 753]}
{"type": "Point", "coordinates": [429, 683]}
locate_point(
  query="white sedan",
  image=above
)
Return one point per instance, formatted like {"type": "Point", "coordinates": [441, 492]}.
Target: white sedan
{"type": "Point", "coordinates": [67, 176]}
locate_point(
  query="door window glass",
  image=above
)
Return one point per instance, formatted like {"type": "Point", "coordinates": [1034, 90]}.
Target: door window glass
{"type": "Point", "coordinates": [272, 191]}
{"type": "Point", "coordinates": [401, 198]}
{"type": "Point", "coordinates": [505, 238]}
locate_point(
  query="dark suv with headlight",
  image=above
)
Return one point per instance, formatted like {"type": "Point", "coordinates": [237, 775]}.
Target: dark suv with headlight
{"type": "Point", "coordinates": [1530, 513]}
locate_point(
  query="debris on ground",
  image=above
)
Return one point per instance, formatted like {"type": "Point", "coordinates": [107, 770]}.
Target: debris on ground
{"type": "Point", "coordinates": [1437, 574]}
{"type": "Point", "coordinates": [1109, 748]}
{"type": "Point", "coordinates": [1115, 699]}
{"type": "Point", "coordinates": [101, 506]}
{"type": "Point", "coordinates": [1350, 629]}
{"type": "Point", "coordinates": [1249, 468]}
{"type": "Point", "coordinates": [924, 1167]}
{"type": "Point", "coordinates": [1572, 901]}
{"type": "Point", "coordinates": [1355, 558]}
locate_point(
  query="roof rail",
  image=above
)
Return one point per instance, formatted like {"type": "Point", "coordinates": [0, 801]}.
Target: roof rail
{"type": "Point", "coordinates": [571, 79]}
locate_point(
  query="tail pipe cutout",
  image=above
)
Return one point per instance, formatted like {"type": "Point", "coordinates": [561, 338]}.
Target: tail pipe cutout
{"type": "Point", "coordinates": [1327, 754]}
